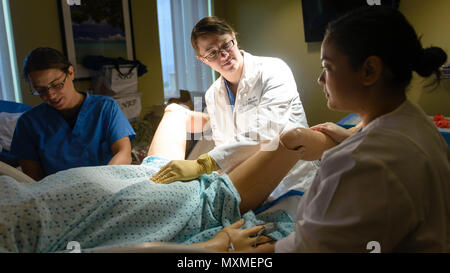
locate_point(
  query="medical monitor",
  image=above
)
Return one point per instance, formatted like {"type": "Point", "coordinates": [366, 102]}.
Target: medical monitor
{"type": "Point", "coordinates": [317, 13]}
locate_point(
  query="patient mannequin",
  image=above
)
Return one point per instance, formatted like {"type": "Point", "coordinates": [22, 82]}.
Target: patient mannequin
{"type": "Point", "coordinates": [269, 166]}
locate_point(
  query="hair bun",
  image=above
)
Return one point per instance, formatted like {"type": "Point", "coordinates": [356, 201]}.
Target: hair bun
{"type": "Point", "coordinates": [429, 61]}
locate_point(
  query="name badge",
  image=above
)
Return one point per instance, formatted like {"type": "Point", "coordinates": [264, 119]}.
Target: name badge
{"type": "Point", "coordinates": [251, 100]}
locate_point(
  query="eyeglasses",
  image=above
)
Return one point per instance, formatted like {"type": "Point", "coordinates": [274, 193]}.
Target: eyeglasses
{"type": "Point", "coordinates": [42, 91]}
{"type": "Point", "coordinates": [225, 48]}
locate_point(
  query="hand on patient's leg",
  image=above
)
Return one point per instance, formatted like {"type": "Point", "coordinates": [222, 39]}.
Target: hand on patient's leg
{"type": "Point", "coordinates": [244, 240]}
{"type": "Point", "coordinates": [233, 238]}
{"type": "Point", "coordinates": [169, 142]}
{"type": "Point", "coordinates": [177, 170]}
{"type": "Point", "coordinates": [183, 170]}
{"type": "Point", "coordinates": [311, 143]}
{"type": "Point", "coordinates": [336, 132]}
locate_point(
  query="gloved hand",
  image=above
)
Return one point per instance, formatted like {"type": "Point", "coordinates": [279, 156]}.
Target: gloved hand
{"type": "Point", "coordinates": [183, 170]}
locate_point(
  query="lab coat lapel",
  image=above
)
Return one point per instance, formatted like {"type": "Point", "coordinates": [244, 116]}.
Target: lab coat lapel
{"type": "Point", "coordinates": [223, 111]}
{"type": "Point", "coordinates": [250, 73]}
{"type": "Point", "coordinates": [226, 118]}
{"type": "Point", "coordinates": [248, 80]}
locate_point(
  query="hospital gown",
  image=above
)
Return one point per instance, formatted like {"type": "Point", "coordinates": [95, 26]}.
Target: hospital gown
{"type": "Point", "coordinates": [112, 206]}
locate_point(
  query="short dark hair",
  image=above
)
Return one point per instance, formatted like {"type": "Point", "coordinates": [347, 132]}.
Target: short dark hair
{"type": "Point", "coordinates": [209, 25]}
{"type": "Point", "coordinates": [43, 58]}
{"type": "Point", "coordinates": [386, 33]}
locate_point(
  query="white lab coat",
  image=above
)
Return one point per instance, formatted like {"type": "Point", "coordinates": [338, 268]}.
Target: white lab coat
{"type": "Point", "coordinates": [388, 183]}
{"type": "Point", "coordinates": [267, 102]}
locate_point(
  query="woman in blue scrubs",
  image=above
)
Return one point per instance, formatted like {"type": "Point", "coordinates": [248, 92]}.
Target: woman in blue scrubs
{"type": "Point", "coordinates": [70, 129]}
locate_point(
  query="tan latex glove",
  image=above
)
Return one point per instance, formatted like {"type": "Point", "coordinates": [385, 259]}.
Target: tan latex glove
{"type": "Point", "coordinates": [184, 170]}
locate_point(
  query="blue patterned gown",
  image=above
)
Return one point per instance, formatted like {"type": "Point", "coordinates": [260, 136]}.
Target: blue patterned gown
{"type": "Point", "coordinates": [110, 206]}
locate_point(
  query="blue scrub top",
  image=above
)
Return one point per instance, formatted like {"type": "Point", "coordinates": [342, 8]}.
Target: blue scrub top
{"type": "Point", "coordinates": [42, 134]}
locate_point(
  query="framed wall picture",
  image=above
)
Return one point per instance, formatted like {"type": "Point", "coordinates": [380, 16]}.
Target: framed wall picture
{"type": "Point", "coordinates": [96, 27]}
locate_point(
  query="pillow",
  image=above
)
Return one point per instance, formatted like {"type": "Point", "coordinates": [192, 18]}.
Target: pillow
{"type": "Point", "coordinates": [7, 125]}
{"type": "Point", "coordinates": [6, 169]}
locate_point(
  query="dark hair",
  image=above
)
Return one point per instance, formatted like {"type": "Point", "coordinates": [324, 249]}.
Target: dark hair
{"type": "Point", "coordinates": [385, 32]}
{"type": "Point", "coordinates": [209, 25]}
{"type": "Point", "coordinates": [43, 58]}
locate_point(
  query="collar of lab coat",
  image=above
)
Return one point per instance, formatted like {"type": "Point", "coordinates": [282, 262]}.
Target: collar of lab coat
{"type": "Point", "coordinates": [250, 75]}
{"type": "Point", "coordinates": [251, 71]}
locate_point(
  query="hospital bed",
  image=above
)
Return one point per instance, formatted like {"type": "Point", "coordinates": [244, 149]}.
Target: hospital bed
{"type": "Point", "coordinates": [352, 119]}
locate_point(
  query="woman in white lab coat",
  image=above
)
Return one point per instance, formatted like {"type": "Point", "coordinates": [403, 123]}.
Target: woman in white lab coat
{"type": "Point", "coordinates": [253, 101]}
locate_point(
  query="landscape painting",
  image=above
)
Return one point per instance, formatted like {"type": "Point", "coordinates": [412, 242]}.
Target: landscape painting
{"type": "Point", "coordinates": [96, 27]}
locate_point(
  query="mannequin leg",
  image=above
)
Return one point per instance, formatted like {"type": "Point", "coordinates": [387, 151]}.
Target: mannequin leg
{"type": "Point", "coordinates": [169, 140]}
{"type": "Point", "coordinates": [258, 176]}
